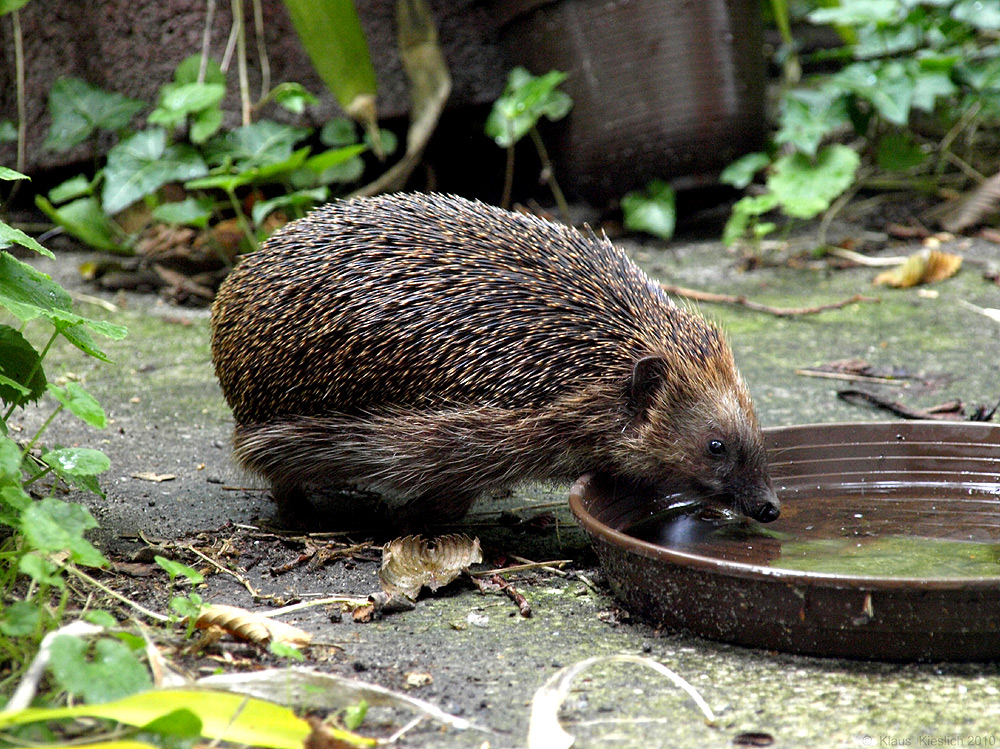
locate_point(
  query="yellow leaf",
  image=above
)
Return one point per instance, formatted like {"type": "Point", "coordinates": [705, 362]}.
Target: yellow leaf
{"type": "Point", "coordinates": [926, 266]}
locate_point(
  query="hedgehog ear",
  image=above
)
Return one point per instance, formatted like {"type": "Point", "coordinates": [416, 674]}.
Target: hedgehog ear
{"type": "Point", "coordinates": [647, 378]}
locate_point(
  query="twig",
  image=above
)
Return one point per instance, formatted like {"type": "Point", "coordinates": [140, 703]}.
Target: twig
{"type": "Point", "coordinates": [262, 59]}
{"type": "Point", "coordinates": [846, 376]}
{"type": "Point", "coordinates": [950, 411]}
{"type": "Point", "coordinates": [351, 601]}
{"type": "Point", "coordinates": [526, 565]}
{"type": "Point", "coordinates": [871, 262]}
{"type": "Point", "coordinates": [107, 591]}
{"type": "Point", "coordinates": [742, 301]}
{"type": "Point", "coordinates": [523, 607]}
{"type": "Point", "coordinates": [206, 40]}
{"type": "Point", "coordinates": [242, 580]}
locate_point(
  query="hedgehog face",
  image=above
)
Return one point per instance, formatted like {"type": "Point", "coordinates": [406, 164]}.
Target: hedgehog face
{"type": "Point", "coordinates": [701, 437]}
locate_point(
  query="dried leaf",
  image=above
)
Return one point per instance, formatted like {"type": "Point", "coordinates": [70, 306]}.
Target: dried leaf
{"type": "Point", "coordinates": [151, 476]}
{"type": "Point", "coordinates": [926, 266]}
{"type": "Point", "coordinates": [411, 562]}
{"type": "Point", "coordinates": [252, 627]}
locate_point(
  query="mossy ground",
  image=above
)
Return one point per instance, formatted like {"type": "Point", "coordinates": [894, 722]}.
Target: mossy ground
{"type": "Point", "coordinates": [168, 417]}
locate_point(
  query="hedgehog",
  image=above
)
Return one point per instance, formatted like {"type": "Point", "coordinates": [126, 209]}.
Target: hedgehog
{"type": "Point", "coordinates": [432, 349]}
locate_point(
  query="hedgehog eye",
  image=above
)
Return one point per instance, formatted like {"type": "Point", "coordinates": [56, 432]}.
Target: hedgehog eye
{"type": "Point", "coordinates": [716, 447]}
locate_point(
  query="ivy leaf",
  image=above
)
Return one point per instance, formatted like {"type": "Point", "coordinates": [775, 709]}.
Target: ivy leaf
{"type": "Point", "coordinates": [525, 100]}
{"type": "Point", "coordinates": [858, 13]}
{"type": "Point", "coordinates": [8, 132]}
{"type": "Point", "coordinates": [887, 87]}
{"type": "Point", "coordinates": [10, 461]}
{"type": "Point", "coordinates": [293, 96]}
{"type": "Point", "coordinates": [188, 69]}
{"type": "Point", "coordinates": [300, 200]}
{"type": "Point", "coordinates": [190, 212]}
{"type": "Point", "coordinates": [805, 187]}
{"type": "Point", "coordinates": [178, 100]}
{"type": "Point", "coordinates": [78, 109]}
{"type": "Point", "coordinates": [142, 164]}
{"type": "Point", "coordinates": [260, 144]}
{"type": "Point", "coordinates": [808, 116]}
{"type": "Point", "coordinates": [982, 15]}
{"type": "Point", "coordinates": [929, 86]}
{"type": "Point", "coordinates": [744, 211]}
{"type": "Point", "coordinates": [23, 379]}
{"type": "Point", "coordinates": [652, 211]}
{"type": "Point", "coordinates": [741, 172]}
{"type": "Point", "coordinates": [338, 132]}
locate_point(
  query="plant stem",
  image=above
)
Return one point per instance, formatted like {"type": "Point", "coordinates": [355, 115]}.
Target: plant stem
{"type": "Point", "coordinates": [508, 178]}
{"type": "Point", "coordinates": [22, 119]}
{"type": "Point", "coordinates": [206, 39]}
{"type": "Point", "coordinates": [107, 591]}
{"type": "Point", "coordinates": [262, 58]}
{"type": "Point", "coordinates": [241, 219]}
{"type": "Point", "coordinates": [239, 25]}
{"type": "Point", "coordinates": [41, 429]}
{"type": "Point", "coordinates": [550, 176]}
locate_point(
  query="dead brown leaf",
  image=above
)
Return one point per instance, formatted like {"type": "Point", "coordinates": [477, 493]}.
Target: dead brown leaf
{"type": "Point", "coordinates": [411, 563]}
{"type": "Point", "coordinates": [251, 626]}
{"type": "Point", "coordinates": [926, 266]}
{"type": "Point", "coordinates": [155, 477]}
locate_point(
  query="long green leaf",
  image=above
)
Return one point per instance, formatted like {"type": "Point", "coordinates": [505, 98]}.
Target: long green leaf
{"type": "Point", "coordinates": [332, 36]}
{"type": "Point", "coordinates": [228, 717]}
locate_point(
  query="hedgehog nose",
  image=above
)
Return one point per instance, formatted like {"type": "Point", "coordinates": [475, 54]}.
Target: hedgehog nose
{"type": "Point", "coordinates": [767, 510]}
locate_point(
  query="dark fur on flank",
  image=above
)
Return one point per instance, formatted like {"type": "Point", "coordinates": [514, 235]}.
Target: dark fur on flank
{"type": "Point", "coordinates": [432, 348]}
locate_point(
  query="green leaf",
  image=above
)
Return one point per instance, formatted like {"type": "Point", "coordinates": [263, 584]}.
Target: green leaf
{"type": "Point", "coordinates": [388, 141]}
{"type": "Point", "coordinates": [187, 70]}
{"type": "Point", "coordinates": [525, 100]}
{"type": "Point", "coordinates": [176, 569]}
{"type": "Point", "coordinates": [744, 212]}
{"type": "Point", "coordinates": [27, 293]}
{"type": "Point", "coordinates": [41, 570]}
{"type": "Point", "coordinates": [178, 100]}
{"type": "Point", "coordinates": [982, 14]}
{"type": "Point", "coordinates": [858, 13]}
{"type": "Point", "coordinates": [111, 673]}
{"type": "Point", "coordinates": [898, 152]}
{"type": "Point", "coordinates": [181, 723]}
{"type": "Point", "coordinates": [260, 144]}
{"type": "Point", "coordinates": [741, 172]}
{"type": "Point", "coordinates": [929, 86]}
{"type": "Point", "coordinates": [78, 109]}
{"type": "Point", "coordinates": [19, 364]}
{"type": "Point", "coordinates": [332, 35]}
{"type": "Point", "coordinates": [144, 163]}
{"type": "Point", "coordinates": [75, 187]}
{"type": "Point", "coordinates": [7, 174]}
{"type": "Point", "coordinates": [9, 6]}
{"type": "Point", "coordinates": [335, 156]}
{"type": "Point", "coordinates": [204, 125]}
{"type": "Point", "coordinates": [338, 132]}
{"type": "Point", "coordinates": [652, 211]}
{"type": "Point", "coordinates": [9, 235]}
{"type": "Point", "coordinates": [887, 86]}
{"type": "Point", "coordinates": [354, 715]}
{"type": "Point", "coordinates": [77, 461]}
{"type": "Point", "coordinates": [808, 116]}
{"type": "Point", "coordinates": [84, 219]}
{"type": "Point", "coordinates": [80, 403]}
{"type": "Point", "coordinates": [190, 212]}
{"type": "Point", "coordinates": [805, 187]}
{"type": "Point", "coordinates": [20, 619]}
{"type": "Point", "coordinates": [51, 526]}
{"type": "Point", "coordinates": [293, 96]}
{"type": "Point", "coordinates": [300, 200]}
{"type": "Point", "coordinates": [8, 134]}
{"type": "Point", "coordinates": [10, 461]}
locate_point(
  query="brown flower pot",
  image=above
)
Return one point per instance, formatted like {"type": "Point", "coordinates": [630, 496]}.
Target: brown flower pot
{"type": "Point", "coordinates": [669, 89]}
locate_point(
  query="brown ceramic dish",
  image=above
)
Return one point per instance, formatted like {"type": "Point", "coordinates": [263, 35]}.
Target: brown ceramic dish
{"type": "Point", "coordinates": [888, 492]}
